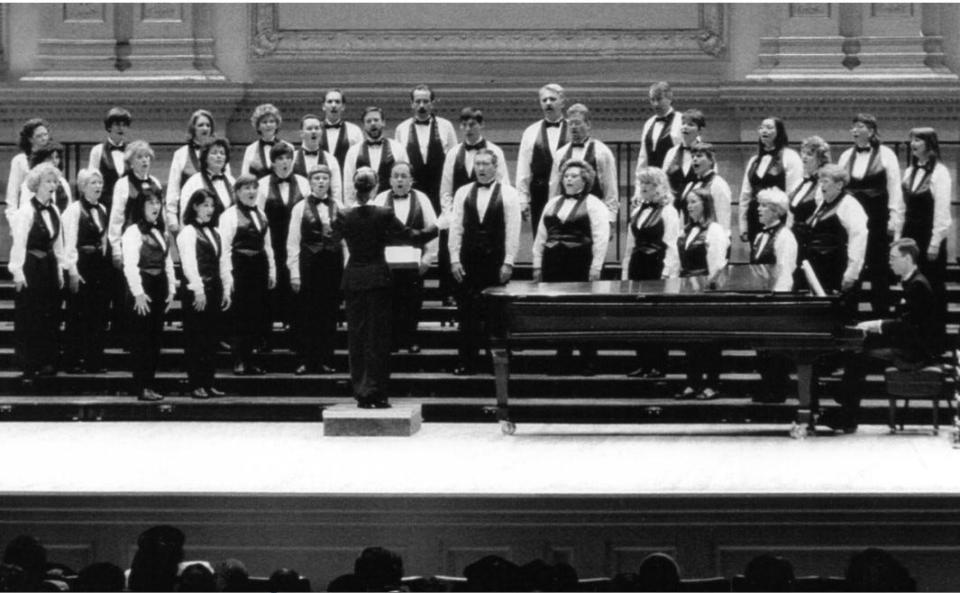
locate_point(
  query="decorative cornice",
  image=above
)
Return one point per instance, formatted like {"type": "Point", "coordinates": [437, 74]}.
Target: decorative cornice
{"type": "Point", "coordinates": [270, 43]}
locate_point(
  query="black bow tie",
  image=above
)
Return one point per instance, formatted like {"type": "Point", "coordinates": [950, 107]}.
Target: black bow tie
{"type": "Point", "coordinates": [770, 152]}
{"type": "Point", "coordinates": [220, 177]}
{"type": "Point", "coordinates": [197, 147]}
{"type": "Point", "coordinates": [316, 200]}
{"type": "Point", "coordinates": [477, 146]}
{"type": "Point", "coordinates": [552, 124]}
{"type": "Point", "coordinates": [578, 144]}
{"type": "Point", "coordinates": [485, 185]}
{"type": "Point", "coordinates": [573, 197]}
{"type": "Point", "coordinates": [283, 180]}
{"type": "Point", "coordinates": [866, 148]}
{"type": "Point", "coordinates": [422, 123]}
{"type": "Point", "coordinates": [811, 179]}
{"type": "Point", "coordinates": [375, 142]}
{"type": "Point", "coordinates": [267, 142]}
{"type": "Point", "coordinates": [311, 152]}
{"type": "Point", "coordinates": [120, 147]}
{"type": "Point", "coordinates": [662, 118]}
{"type": "Point", "coordinates": [330, 126]}
{"type": "Point", "coordinates": [245, 208]}
{"type": "Point", "coordinates": [400, 198]}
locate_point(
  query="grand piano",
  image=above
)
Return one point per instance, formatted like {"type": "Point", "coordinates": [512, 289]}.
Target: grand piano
{"type": "Point", "coordinates": [737, 309]}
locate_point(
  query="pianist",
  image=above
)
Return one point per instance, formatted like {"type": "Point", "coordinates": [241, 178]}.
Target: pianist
{"type": "Point", "coordinates": [703, 249]}
{"type": "Point", "coordinates": [571, 241]}
{"type": "Point", "coordinates": [910, 341]}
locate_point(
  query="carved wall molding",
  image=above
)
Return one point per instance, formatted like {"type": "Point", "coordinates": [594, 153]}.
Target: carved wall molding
{"type": "Point", "coordinates": [269, 42]}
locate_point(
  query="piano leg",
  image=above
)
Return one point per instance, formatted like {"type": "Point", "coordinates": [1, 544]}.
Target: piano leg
{"type": "Point", "coordinates": [803, 426]}
{"type": "Point", "coordinates": [501, 374]}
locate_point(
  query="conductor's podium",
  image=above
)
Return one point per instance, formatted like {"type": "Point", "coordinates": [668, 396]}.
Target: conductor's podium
{"type": "Point", "coordinates": [738, 309]}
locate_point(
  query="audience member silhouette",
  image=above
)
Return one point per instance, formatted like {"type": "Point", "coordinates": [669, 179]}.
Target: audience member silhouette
{"type": "Point", "coordinates": [232, 576]}
{"type": "Point", "coordinates": [539, 576]}
{"type": "Point", "coordinates": [100, 576]}
{"type": "Point", "coordinates": [378, 569]}
{"type": "Point", "coordinates": [658, 572]}
{"type": "Point", "coordinates": [197, 577]}
{"type": "Point", "coordinates": [285, 579]}
{"type": "Point", "coordinates": [493, 573]}
{"type": "Point", "coordinates": [874, 569]}
{"type": "Point", "coordinates": [30, 556]}
{"type": "Point", "coordinates": [767, 572]}
{"type": "Point", "coordinates": [154, 566]}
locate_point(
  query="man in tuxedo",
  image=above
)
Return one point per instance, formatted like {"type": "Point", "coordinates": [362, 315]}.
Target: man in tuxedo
{"type": "Point", "coordinates": [662, 131]}
{"type": "Point", "coordinates": [338, 135]}
{"type": "Point", "coordinates": [311, 153]}
{"type": "Point", "coordinates": [538, 145]}
{"type": "Point", "coordinates": [376, 151]}
{"type": "Point", "coordinates": [484, 237]}
{"type": "Point", "coordinates": [912, 340]}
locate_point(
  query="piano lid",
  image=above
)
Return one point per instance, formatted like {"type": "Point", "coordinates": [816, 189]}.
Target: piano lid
{"type": "Point", "coordinates": [742, 279]}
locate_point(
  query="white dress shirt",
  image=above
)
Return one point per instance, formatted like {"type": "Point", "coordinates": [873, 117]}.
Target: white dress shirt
{"type": "Point", "coordinates": [22, 222]}
{"type": "Point", "coordinates": [511, 215]}
{"type": "Point", "coordinates": [350, 166]}
{"type": "Point", "coordinates": [599, 228]}
{"type": "Point", "coordinates": [19, 167]}
{"type": "Point", "coordinates": [70, 227]}
{"type": "Point", "coordinates": [96, 153]}
{"type": "Point", "coordinates": [401, 209]}
{"type": "Point", "coordinates": [446, 181]}
{"type": "Point", "coordinates": [118, 211]}
{"type": "Point", "coordinates": [132, 240]}
{"type": "Point", "coordinates": [671, 233]}
{"type": "Point", "coordinates": [674, 133]}
{"type": "Point", "coordinates": [606, 172]}
{"type": "Point", "coordinates": [228, 230]}
{"type": "Point", "coordinates": [353, 132]}
{"type": "Point", "coordinates": [525, 156]}
{"type": "Point", "coordinates": [890, 164]}
{"type": "Point", "coordinates": [445, 129]}
{"type": "Point", "coordinates": [785, 252]}
{"type": "Point", "coordinates": [252, 155]}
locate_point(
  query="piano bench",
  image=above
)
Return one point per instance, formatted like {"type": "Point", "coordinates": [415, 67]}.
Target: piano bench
{"type": "Point", "coordinates": [925, 383]}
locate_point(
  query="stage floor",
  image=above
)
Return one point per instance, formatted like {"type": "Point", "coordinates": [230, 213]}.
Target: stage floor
{"type": "Point", "coordinates": [468, 459]}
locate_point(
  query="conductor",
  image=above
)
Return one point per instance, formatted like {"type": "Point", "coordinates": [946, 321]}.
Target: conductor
{"type": "Point", "coordinates": [366, 286]}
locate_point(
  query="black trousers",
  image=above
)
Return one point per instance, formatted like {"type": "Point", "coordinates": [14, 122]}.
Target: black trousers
{"type": "Point", "coordinates": [37, 314]}
{"type": "Point", "coordinates": [877, 353]}
{"type": "Point", "coordinates": [201, 332]}
{"type": "Point", "coordinates": [877, 268]}
{"type": "Point", "coordinates": [368, 342]}
{"type": "Point", "coordinates": [250, 315]}
{"type": "Point", "coordinates": [703, 365]}
{"type": "Point", "coordinates": [318, 306]}
{"type": "Point", "coordinates": [471, 309]}
{"type": "Point", "coordinates": [447, 283]}
{"type": "Point", "coordinates": [146, 331]}
{"type": "Point", "coordinates": [407, 305]}
{"type": "Point", "coordinates": [88, 311]}
{"type": "Point", "coordinates": [539, 196]}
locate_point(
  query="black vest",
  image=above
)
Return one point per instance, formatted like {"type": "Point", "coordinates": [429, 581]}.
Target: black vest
{"type": "Point", "coordinates": [386, 163]}
{"type": "Point", "coordinates": [208, 255]}
{"type": "Point", "coordinates": [918, 218]}
{"type": "Point", "coordinates": [680, 203]}
{"type": "Point", "coordinates": [40, 239]}
{"type": "Point", "coordinates": [218, 206]}
{"type": "Point", "coordinates": [88, 233]}
{"type": "Point", "coordinates": [248, 238]}
{"type": "Point", "coordinates": [460, 177]}
{"type": "Point", "coordinates": [826, 247]}
{"type": "Point", "coordinates": [109, 172]}
{"type": "Point", "coordinates": [414, 214]}
{"type": "Point", "coordinates": [541, 162]}
{"type": "Point", "coordinates": [314, 235]}
{"type": "Point", "coordinates": [871, 192]}
{"type": "Point", "coordinates": [153, 253]}
{"type": "Point", "coordinates": [300, 162]}
{"type": "Point", "coordinates": [191, 166]}
{"type": "Point", "coordinates": [340, 150]}
{"type": "Point", "coordinates": [278, 214]}
{"type": "Point", "coordinates": [657, 149]}
{"type": "Point", "coordinates": [693, 258]}
{"type": "Point", "coordinates": [483, 240]}
{"type": "Point", "coordinates": [767, 254]}
{"type": "Point", "coordinates": [573, 232]}
{"type": "Point", "coordinates": [675, 175]}
{"type": "Point", "coordinates": [646, 259]}
{"type": "Point", "coordinates": [426, 175]}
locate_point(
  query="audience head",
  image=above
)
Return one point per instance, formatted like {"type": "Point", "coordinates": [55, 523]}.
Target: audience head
{"type": "Point", "coordinates": [232, 575]}
{"type": "Point", "coordinates": [768, 573]}
{"type": "Point", "coordinates": [540, 576]}
{"type": "Point", "coordinates": [197, 577]}
{"type": "Point", "coordinates": [34, 133]}
{"type": "Point", "coordinates": [154, 566]}
{"type": "Point", "coordinates": [284, 579]}
{"type": "Point", "coordinates": [266, 120]}
{"type": "Point", "coordinates": [658, 572]}
{"type": "Point", "coordinates": [493, 573]}
{"type": "Point", "coordinates": [378, 569]}
{"type": "Point", "coordinates": [29, 554]}
{"type": "Point", "coordinates": [874, 569]}
{"type": "Point", "coordinates": [101, 576]}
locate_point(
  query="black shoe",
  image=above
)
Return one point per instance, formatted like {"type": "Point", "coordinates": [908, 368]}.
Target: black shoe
{"type": "Point", "coordinates": [224, 346]}
{"type": "Point", "coordinates": [838, 421]}
{"type": "Point", "coordinates": [149, 395]}
{"type": "Point", "coordinates": [47, 370]}
{"type": "Point", "coordinates": [687, 393]}
{"type": "Point", "coordinates": [326, 370]}
{"type": "Point", "coordinates": [654, 373]}
{"type": "Point", "coordinates": [199, 393]}
{"type": "Point", "coordinates": [414, 348]}
{"type": "Point", "coordinates": [255, 370]}
{"type": "Point", "coordinates": [214, 392]}
{"type": "Point", "coordinates": [239, 369]}
{"type": "Point", "coordinates": [464, 370]}
{"type": "Point", "coordinates": [638, 372]}
{"type": "Point", "coordinates": [302, 370]}
{"type": "Point", "coordinates": [27, 380]}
